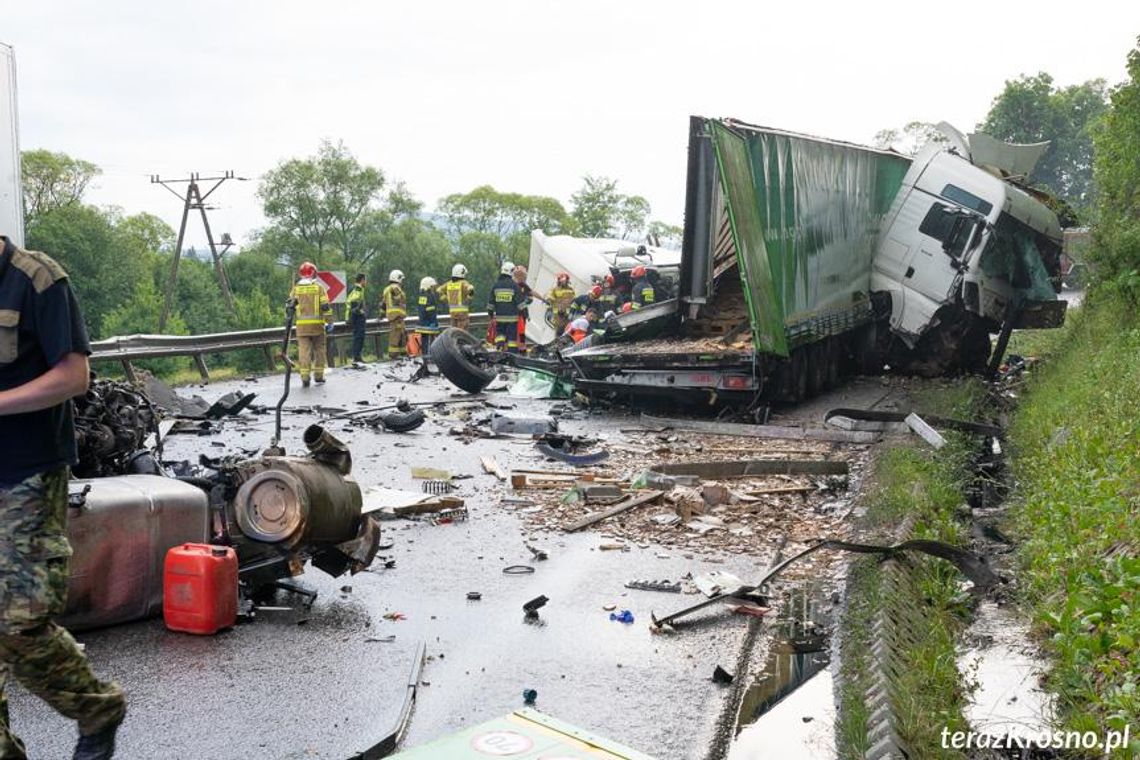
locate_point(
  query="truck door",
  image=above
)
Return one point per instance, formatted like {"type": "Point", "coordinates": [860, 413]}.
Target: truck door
{"type": "Point", "coordinates": [934, 258]}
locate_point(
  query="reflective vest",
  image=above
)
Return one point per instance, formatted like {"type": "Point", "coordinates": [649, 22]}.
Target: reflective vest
{"type": "Point", "coordinates": [457, 294]}
{"type": "Point", "coordinates": [312, 304]}
{"type": "Point", "coordinates": [505, 299]}
{"type": "Point", "coordinates": [560, 299]}
{"type": "Point", "coordinates": [355, 300]}
{"type": "Point", "coordinates": [644, 294]}
{"type": "Point", "coordinates": [609, 300]}
{"type": "Point", "coordinates": [395, 302]}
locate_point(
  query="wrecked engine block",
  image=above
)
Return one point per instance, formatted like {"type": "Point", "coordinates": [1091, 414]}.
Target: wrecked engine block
{"type": "Point", "coordinates": [278, 511]}
{"type": "Point", "coordinates": [112, 423]}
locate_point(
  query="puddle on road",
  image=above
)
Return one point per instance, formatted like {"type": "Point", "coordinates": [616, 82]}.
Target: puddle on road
{"type": "Point", "coordinates": [788, 711]}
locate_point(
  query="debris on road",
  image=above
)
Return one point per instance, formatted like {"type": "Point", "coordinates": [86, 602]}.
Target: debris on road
{"type": "Point", "coordinates": [492, 467]}
{"type": "Point", "coordinates": [759, 431]}
{"type": "Point", "coordinates": [530, 696]}
{"type": "Point", "coordinates": [504, 425]}
{"type": "Point", "coordinates": [617, 509]}
{"type": "Point", "coordinates": [924, 431]}
{"type": "Point", "coordinates": [532, 607]}
{"type": "Point", "coordinates": [673, 588]}
{"type": "Point", "coordinates": [722, 676]}
{"type": "Point", "coordinates": [625, 616]}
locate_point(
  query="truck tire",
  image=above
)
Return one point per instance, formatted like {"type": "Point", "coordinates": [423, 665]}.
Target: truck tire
{"type": "Point", "coordinates": [447, 351]}
{"type": "Point", "coordinates": [402, 422]}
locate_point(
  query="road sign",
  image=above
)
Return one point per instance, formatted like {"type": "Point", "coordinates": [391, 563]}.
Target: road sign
{"type": "Point", "coordinates": [335, 285]}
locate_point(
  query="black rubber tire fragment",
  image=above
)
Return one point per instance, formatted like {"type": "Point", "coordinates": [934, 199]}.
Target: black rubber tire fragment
{"type": "Point", "coordinates": [447, 353]}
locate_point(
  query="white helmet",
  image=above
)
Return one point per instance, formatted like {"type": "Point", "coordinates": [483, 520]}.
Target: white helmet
{"type": "Point", "coordinates": [507, 268]}
{"type": "Point", "coordinates": [459, 271]}
{"type": "Point", "coordinates": [397, 276]}
{"type": "Point", "coordinates": [427, 283]}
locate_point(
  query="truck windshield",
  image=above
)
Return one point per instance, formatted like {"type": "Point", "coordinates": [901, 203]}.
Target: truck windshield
{"type": "Point", "coordinates": [1022, 256]}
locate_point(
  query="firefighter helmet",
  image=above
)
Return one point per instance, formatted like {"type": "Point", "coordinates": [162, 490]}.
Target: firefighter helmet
{"type": "Point", "coordinates": [427, 283]}
{"type": "Point", "coordinates": [563, 278]}
{"type": "Point", "coordinates": [459, 271]}
{"type": "Point", "coordinates": [307, 270]}
{"type": "Point", "coordinates": [397, 277]}
{"type": "Point", "coordinates": [638, 272]}
{"type": "Point", "coordinates": [609, 281]}
{"type": "Point", "coordinates": [507, 268]}
{"type": "Point", "coordinates": [596, 291]}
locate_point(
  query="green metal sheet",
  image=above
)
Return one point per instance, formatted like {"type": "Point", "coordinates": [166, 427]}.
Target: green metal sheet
{"type": "Point", "coordinates": [523, 735]}
{"type": "Point", "coordinates": [805, 214]}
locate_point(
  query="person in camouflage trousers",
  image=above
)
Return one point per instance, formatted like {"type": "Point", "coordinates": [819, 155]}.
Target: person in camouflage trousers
{"type": "Point", "coordinates": [43, 364]}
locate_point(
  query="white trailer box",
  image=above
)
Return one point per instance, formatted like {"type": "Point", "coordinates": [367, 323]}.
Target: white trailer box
{"type": "Point", "coordinates": [11, 199]}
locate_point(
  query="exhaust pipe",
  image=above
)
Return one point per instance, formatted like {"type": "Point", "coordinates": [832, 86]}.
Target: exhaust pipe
{"type": "Point", "coordinates": [325, 448]}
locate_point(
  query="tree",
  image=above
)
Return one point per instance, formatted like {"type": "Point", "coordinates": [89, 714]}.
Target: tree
{"type": "Point", "coordinates": [910, 138]}
{"type": "Point", "coordinates": [1117, 174]}
{"type": "Point", "coordinates": [595, 206]}
{"type": "Point", "coordinates": [1032, 109]}
{"type": "Point", "coordinates": [324, 200]}
{"type": "Point", "coordinates": [601, 211]}
{"type": "Point", "coordinates": [664, 234]}
{"type": "Point", "coordinates": [53, 180]}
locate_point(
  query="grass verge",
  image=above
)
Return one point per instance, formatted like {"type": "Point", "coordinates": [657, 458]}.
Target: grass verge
{"type": "Point", "coordinates": [1075, 446]}
{"type": "Point", "coordinates": [912, 482]}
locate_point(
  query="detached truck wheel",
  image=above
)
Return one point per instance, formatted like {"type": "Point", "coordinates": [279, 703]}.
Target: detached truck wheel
{"type": "Point", "coordinates": [450, 352]}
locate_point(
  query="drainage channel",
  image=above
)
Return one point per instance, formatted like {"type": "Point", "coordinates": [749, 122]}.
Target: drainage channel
{"type": "Point", "coordinates": [786, 709]}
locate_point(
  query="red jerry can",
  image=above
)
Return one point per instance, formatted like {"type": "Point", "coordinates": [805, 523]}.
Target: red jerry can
{"type": "Point", "coordinates": [200, 588]}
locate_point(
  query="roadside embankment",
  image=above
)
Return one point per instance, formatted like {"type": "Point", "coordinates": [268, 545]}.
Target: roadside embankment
{"type": "Point", "coordinates": [1075, 510]}
{"type": "Point", "coordinates": [900, 684]}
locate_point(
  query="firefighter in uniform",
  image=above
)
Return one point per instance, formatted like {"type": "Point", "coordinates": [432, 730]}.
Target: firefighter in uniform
{"type": "Point", "coordinates": [457, 293]}
{"type": "Point", "coordinates": [394, 305]}
{"type": "Point", "coordinates": [357, 316]}
{"type": "Point", "coordinates": [558, 300]}
{"type": "Point", "coordinates": [644, 294]}
{"type": "Point", "coordinates": [427, 307]}
{"type": "Point", "coordinates": [583, 303]}
{"type": "Point", "coordinates": [503, 308]}
{"type": "Point", "coordinates": [519, 276]}
{"type": "Point", "coordinates": [314, 318]}
{"type": "Point", "coordinates": [43, 364]}
{"type": "Point", "coordinates": [610, 299]}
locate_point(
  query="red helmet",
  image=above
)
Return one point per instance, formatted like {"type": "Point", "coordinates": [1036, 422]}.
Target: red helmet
{"type": "Point", "coordinates": [596, 291]}
{"type": "Point", "coordinates": [563, 277]}
{"type": "Point", "coordinates": [307, 269]}
{"type": "Point", "coordinates": [638, 272]}
{"type": "Point", "coordinates": [626, 307]}
{"type": "Point", "coordinates": [609, 281]}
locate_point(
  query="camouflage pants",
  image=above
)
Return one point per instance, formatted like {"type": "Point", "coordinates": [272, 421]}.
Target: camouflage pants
{"type": "Point", "coordinates": [33, 589]}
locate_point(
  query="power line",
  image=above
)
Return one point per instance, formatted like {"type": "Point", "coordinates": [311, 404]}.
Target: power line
{"type": "Point", "coordinates": [195, 200]}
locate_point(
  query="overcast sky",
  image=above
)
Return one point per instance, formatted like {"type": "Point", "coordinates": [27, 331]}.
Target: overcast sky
{"type": "Point", "coordinates": [526, 96]}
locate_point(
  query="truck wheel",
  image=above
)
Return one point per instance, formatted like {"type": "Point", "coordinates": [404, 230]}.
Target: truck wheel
{"type": "Point", "coordinates": [450, 350]}
{"type": "Point", "coordinates": [402, 422]}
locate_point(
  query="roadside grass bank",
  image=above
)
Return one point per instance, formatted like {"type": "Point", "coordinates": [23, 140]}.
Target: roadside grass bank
{"type": "Point", "coordinates": [914, 492]}
{"type": "Point", "coordinates": [1075, 510]}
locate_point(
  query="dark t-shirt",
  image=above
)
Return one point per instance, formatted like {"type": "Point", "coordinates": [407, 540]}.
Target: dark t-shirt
{"type": "Point", "coordinates": [40, 323]}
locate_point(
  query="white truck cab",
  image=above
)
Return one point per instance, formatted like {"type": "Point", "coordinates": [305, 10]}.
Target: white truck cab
{"type": "Point", "coordinates": [961, 236]}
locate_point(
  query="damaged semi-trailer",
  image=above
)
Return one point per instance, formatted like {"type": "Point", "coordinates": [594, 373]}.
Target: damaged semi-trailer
{"type": "Point", "coordinates": [805, 259]}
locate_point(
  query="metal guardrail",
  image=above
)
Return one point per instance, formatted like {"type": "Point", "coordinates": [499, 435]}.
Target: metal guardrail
{"type": "Point", "coordinates": [130, 348]}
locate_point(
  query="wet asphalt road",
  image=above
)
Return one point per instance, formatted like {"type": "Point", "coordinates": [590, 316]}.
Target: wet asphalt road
{"type": "Point", "coordinates": [309, 684]}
